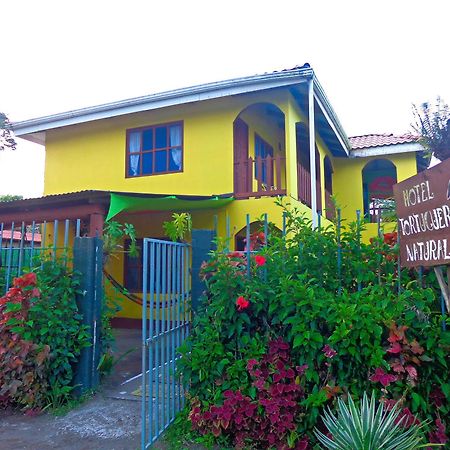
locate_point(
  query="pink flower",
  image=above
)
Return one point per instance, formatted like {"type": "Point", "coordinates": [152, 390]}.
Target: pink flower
{"type": "Point", "coordinates": [242, 303]}
{"type": "Point", "coordinates": [381, 376]}
{"type": "Point", "coordinates": [329, 352]}
{"type": "Point", "coordinates": [260, 260]}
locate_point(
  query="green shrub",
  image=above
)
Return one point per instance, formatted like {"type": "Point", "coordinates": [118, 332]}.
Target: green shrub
{"type": "Point", "coordinates": [348, 323]}
{"type": "Point", "coordinates": [46, 323]}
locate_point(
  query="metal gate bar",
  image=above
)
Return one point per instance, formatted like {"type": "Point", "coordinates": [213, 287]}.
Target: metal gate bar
{"type": "Point", "coordinates": [165, 324]}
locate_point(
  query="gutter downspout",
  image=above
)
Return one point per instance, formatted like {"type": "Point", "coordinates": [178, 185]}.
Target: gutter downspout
{"type": "Point", "coordinates": [312, 153]}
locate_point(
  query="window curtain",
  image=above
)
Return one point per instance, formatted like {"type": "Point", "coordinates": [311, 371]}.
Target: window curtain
{"type": "Point", "coordinates": [175, 141]}
{"type": "Point", "coordinates": [134, 146]}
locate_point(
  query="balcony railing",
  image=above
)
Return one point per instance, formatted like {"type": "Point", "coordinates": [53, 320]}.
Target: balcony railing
{"type": "Point", "coordinates": [304, 187]}
{"type": "Point", "coordinates": [258, 177]}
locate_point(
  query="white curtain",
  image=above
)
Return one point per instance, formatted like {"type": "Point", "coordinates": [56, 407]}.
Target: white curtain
{"type": "Point", "coordinates": [175, 141]}
{"type": "Point", "coordinates": [134, 145]}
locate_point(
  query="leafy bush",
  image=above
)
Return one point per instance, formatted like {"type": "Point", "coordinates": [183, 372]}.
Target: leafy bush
{"type": "Point", "coordinates": [347, 322]}
{"type": "Point", "coordinates": [23, 364]}
{"type": "Point", "coordinates": [41, 321]}
{"type": "Point", "coordinates": [267, 417]}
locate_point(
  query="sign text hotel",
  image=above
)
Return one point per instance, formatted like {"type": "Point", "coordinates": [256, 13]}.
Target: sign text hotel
{"type": "Point", "coordinates": [423, 209]}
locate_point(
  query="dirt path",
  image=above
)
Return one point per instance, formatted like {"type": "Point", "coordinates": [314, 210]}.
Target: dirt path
{"type": "Point", "coordinates": [102, 423]}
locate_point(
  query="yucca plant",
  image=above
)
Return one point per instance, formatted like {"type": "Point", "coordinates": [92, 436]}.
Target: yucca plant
{"type": "Point", "coordinates": [365, 427]}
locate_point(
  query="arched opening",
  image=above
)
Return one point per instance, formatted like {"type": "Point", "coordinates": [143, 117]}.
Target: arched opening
{"type": "Point", "coordinates": [304, 167]}
{"type": "Point", "coordinates": [379, 177]}
{"type": "Point", "coordinates": [259, 151]}
{"type": "Point", "coordinates": [329, 204]}
{"type": "Point", "coordinates": [257, 236]}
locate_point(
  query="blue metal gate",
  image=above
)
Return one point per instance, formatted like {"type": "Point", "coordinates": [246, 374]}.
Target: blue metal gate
{"type": "Point", "coordinates": [165, 324]}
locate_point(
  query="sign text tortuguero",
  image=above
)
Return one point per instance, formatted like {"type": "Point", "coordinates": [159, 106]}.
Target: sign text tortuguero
{"type": "Point", "coordinates": [423, 210]}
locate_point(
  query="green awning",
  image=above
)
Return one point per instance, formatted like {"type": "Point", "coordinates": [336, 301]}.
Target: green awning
{"type": "Point", "coordinates": [121, 202]}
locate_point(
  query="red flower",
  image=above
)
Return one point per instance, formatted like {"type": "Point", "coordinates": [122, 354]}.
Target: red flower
{"type": "Point", "coordinates": [384, 378]}
{"type": "Point", "coordinates": [242, 303]}
{"type": "Point", "coordinates": [260, 260]}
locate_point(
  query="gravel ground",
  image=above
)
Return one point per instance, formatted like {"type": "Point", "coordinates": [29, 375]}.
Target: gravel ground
{"type": "Point", "coordinates": [101, 423]}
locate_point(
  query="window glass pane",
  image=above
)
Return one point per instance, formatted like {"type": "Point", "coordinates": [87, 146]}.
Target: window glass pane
{"type": "Point", "coordinates": [161, 161]}
{"type": "Point", "coordinates": [175, 159]}
{"type": "Point", "coordinates": [161, 137]}
{"type": "Point", "coordinates": [147, 163]}
{"type": "Point", "coordinates": [147, 139]}
{"type": "Point", "coordinates": [134, 142]}
{"type": "Point", "coordinates": [175, 135]}
{"type": "Point", "coordinates": [133, 165]}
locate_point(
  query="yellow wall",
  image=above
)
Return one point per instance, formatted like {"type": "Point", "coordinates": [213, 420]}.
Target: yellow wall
{"type": "Point", "coordinates": [151, 225]}
{"type": "Point", "coordinates": [92, 155]}
{"type": "Point", "coordinates": [347, 183]}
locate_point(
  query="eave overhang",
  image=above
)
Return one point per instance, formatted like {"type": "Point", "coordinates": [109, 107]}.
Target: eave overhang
{"type": "Point", "coordinates": [386, 150]}
{"type": "Point", "coordinates": [34, 129]}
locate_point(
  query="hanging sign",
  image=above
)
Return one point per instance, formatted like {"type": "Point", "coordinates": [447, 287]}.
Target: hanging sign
{"type": "Point", "coordinates": [423, 210]}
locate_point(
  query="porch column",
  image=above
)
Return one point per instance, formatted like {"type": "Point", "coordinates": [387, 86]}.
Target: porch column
{"type": "Point", "coordinates": [291, 151]}
{"type": "Point", "coordinates": [96, 223]}
{"type": "Point", "coordinates": [312, 152]}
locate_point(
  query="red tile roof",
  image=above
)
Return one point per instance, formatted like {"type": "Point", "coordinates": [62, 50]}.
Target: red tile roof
{"type": "Point", "coordinates": [6, 235]}
{"type": "Point", "coordinates": [379, 140]}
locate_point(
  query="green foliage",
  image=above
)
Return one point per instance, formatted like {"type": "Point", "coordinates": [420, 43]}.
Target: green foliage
{"type": "Point", "coordinates": [347, 322]}
{"type": "Point", "coordinates": [23, 364]}
{"type": "Point", "coordinates": [41, 322]}
{"type": "Point", "coordinates": [179, 227]}
{"type": "Point", "coordinates": [362, 427]}
{"type": "Point", "coordinates": [7, 140]}
{"type": "Point", "coordinates": [432, 122]}
{"type": "Point", "coordinates": [10, 197]}
{"type": "Point", "coordinates": [55, 306]}
{"type": "Point", "coordinates": [114, 234]}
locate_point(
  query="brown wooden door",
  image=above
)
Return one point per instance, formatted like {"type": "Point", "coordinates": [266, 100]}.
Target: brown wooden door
{"type": "Point", "coordinates": [241, 157]}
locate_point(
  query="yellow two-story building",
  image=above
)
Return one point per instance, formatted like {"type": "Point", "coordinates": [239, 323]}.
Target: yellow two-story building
{"type": "Point", "coordinates": [219, 151]}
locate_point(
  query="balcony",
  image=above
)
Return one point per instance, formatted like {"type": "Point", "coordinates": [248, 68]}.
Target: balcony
{"type": "Point", "coordinates": [260, 177]}
{"type": "Point", "coordinates": [304, 187]}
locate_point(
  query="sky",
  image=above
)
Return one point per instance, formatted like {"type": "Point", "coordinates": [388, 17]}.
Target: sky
{"type": "Point", "coordinates": [373, 59]}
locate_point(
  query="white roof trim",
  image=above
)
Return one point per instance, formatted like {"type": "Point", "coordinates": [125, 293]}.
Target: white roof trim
{"type": "Point", "coordinates": [386, 150]}
{"type": "Point", "coordinates": [338, 133]}
{"type": "Point", "coordinates": [161, 100]}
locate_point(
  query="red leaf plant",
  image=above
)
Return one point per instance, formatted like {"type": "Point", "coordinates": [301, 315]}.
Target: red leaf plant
{"type": "Point", "coordinates": [406, 418]}
{"type": "Point", "coordinates": [22, 363]}
{"type": "Point", "coordinates": [382, 377]}
{"type": "Point", "coordinates": [266, 421]}
{"type": "Point", "coordinates": [404, 355]}
{"type": "Point", "coordinates": [438, 436]}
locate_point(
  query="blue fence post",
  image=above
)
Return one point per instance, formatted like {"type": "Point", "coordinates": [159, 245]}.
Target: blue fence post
{"type": "Point", "coordinates": [399, 266]}
{"type": "Point", "coordinates": [358, 233]}
{"type": "Point", "coordinates": [88, 263]}
{"type": "Point", "coordinates": [339, 250]}
{"type": "Point", "coordinates": [247, 244]}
